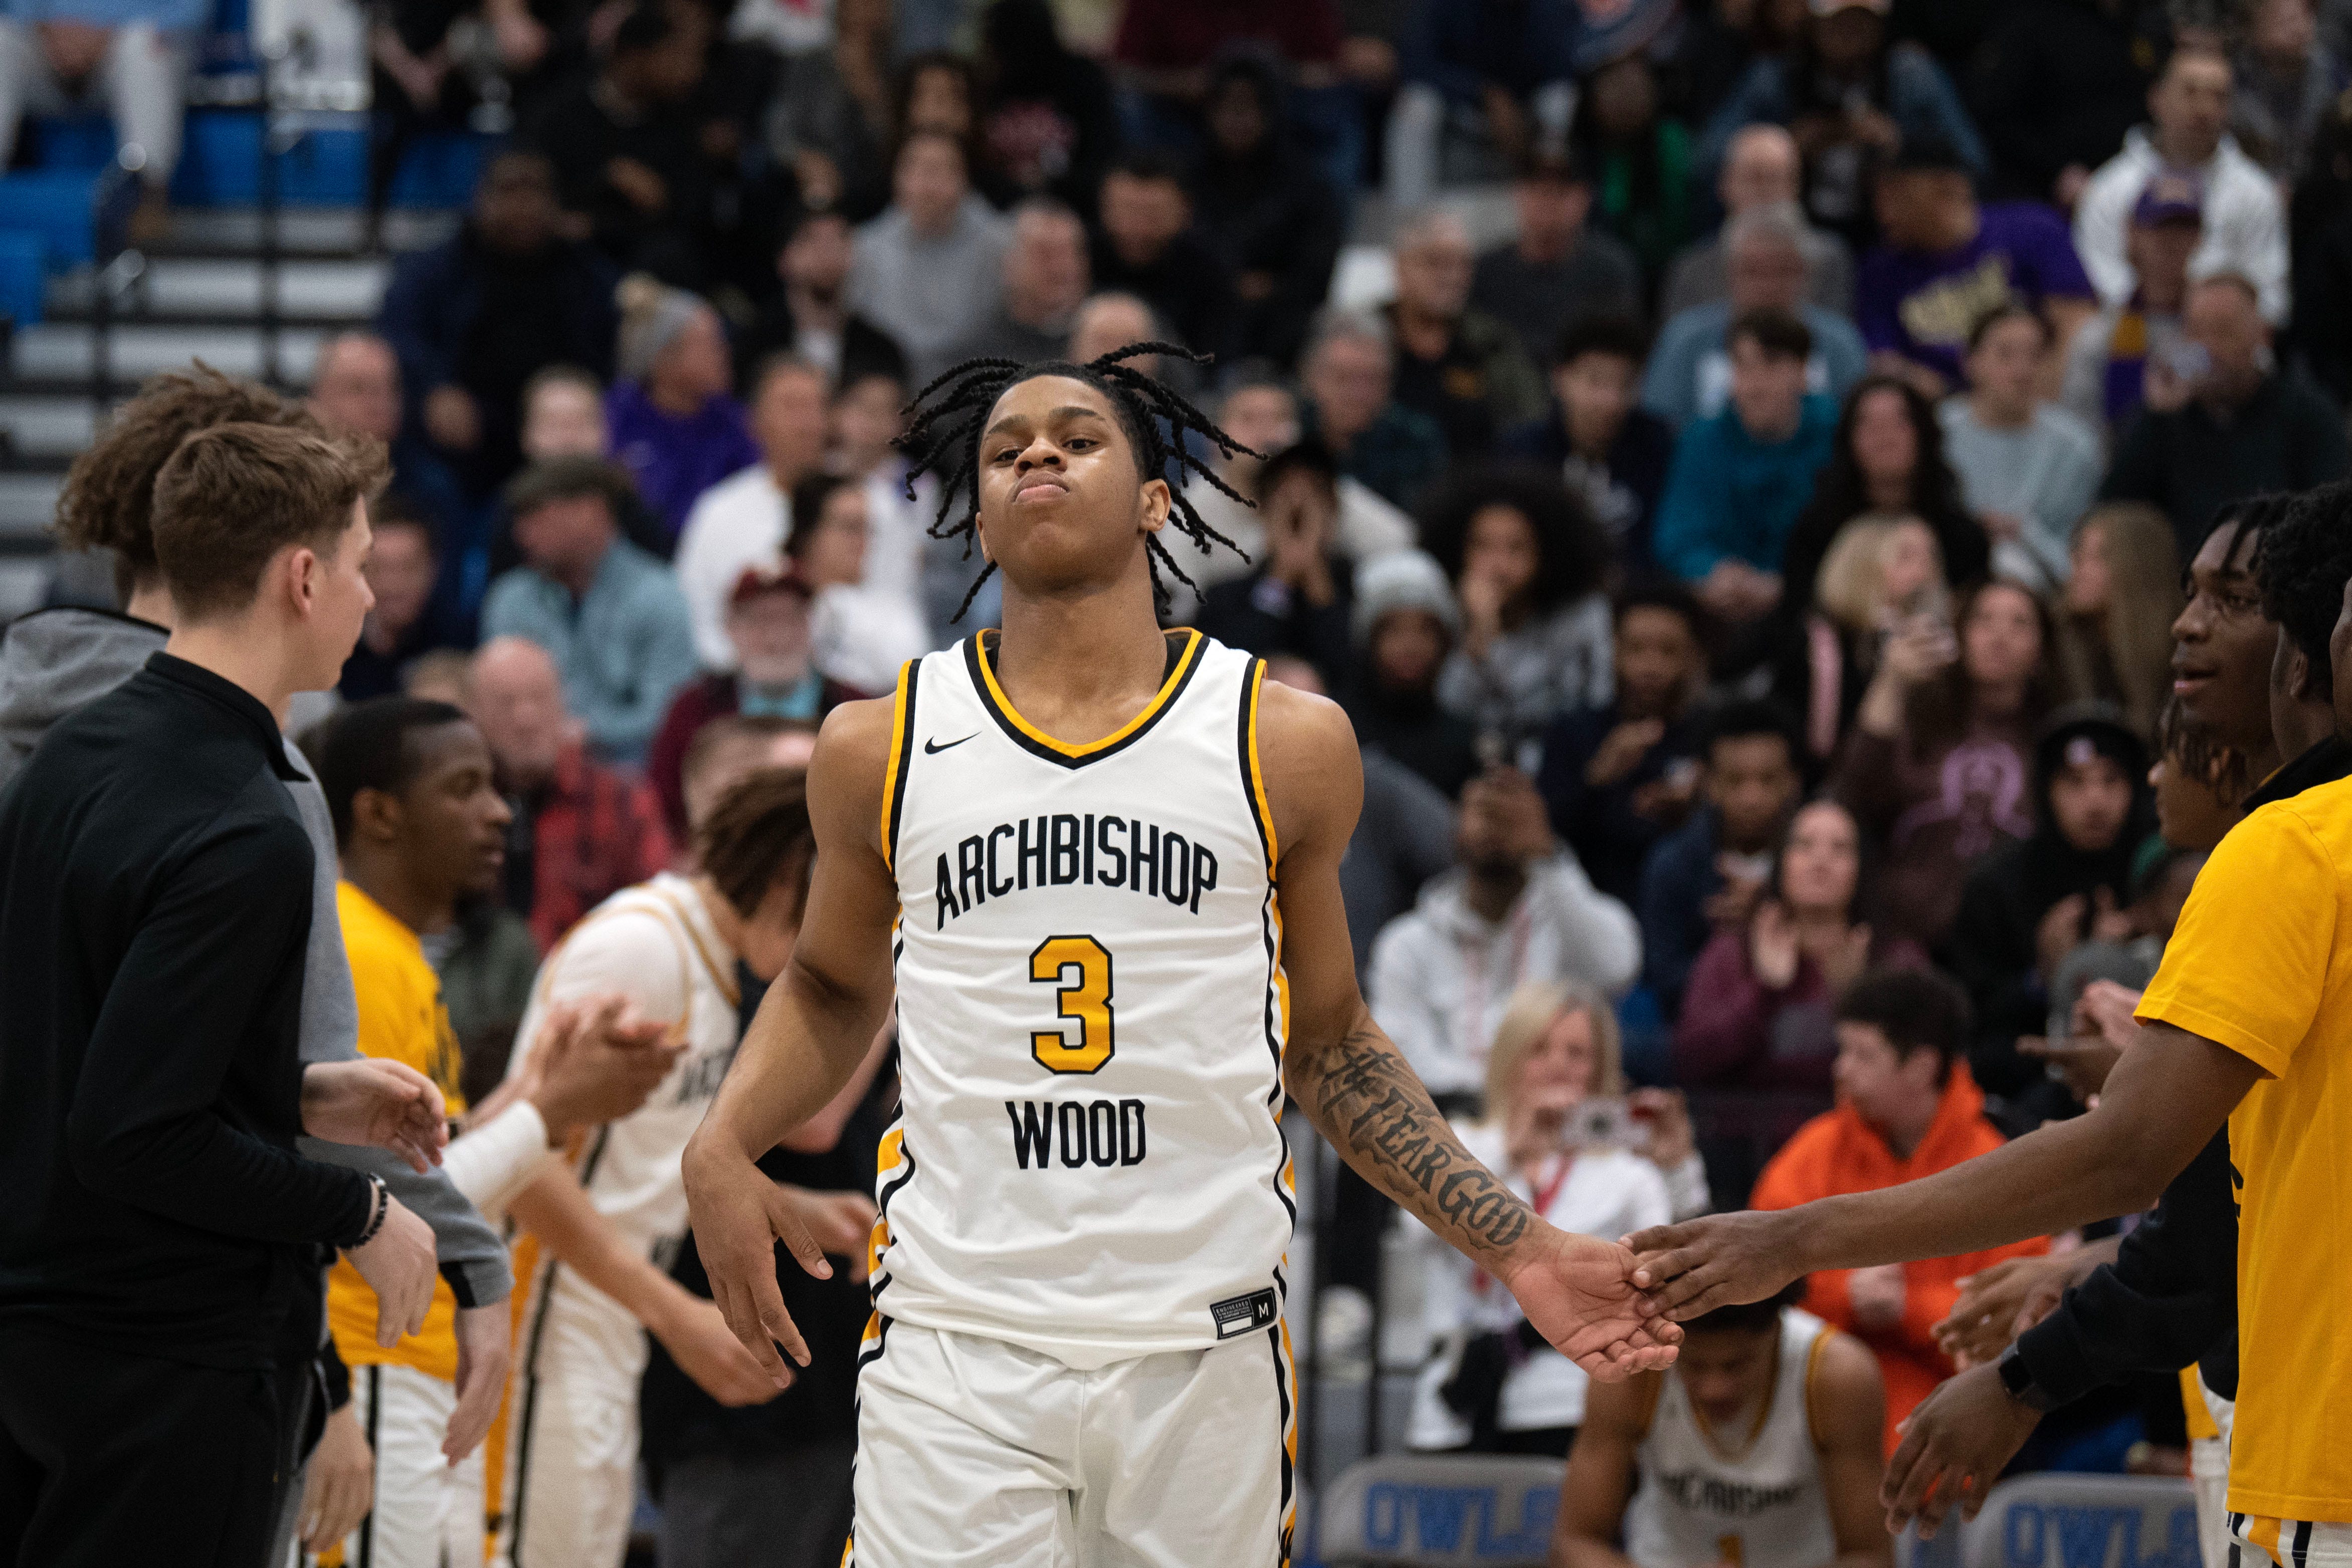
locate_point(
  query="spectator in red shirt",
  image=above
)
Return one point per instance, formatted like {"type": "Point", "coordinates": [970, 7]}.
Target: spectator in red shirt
{"type": "Point", "coordinates": [582, 830]}
{"type": "Point", "coordinates": [1906, 1109]}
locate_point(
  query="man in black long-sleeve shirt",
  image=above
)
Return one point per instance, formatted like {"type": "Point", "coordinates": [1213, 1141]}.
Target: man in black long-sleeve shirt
{"type": "Point", "coordinates": [155, 902]}
{"type": "Point", "coordinates": [2170, 1297]}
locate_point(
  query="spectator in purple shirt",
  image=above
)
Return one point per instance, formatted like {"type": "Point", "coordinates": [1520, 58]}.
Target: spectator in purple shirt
{"type": "Point", "coordinates": [675, 426]}
{"type": "Point", "coordinates": [1947, 260]}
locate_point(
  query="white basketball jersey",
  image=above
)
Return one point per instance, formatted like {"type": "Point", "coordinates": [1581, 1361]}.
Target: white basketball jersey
{"type": "Point", "coordinates": [1086, 1159]}
{"type": "Point", "coordinates": [1708, 1496]}
{"type": "Point", "coordinates": [655, 944]}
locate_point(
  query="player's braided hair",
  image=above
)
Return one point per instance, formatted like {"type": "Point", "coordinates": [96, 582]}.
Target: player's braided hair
{"type": "Point", "coordinates": [945, 420]}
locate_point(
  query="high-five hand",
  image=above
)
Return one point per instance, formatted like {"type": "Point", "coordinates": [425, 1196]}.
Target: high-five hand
{"type": "Point", "coordinates": [1687, 1269]}
{"type": "Point", "coordinates": [375, 1101]}
{"type": "Point", "coordinates": [1577, 1292]}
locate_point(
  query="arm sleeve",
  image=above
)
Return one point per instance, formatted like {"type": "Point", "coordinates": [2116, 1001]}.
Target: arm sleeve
{"type": "Point", "coordinates": [1726, 1015]}
{"type": "Point", "coordinates": [2099, 220]}
{"type": "Point", "coordinates": [1683, 540]}
{"type": "Point", "coordinates": [1597, 932]}
{"type": "Point", "coordinates": [2254, 947]}
{"type": "Point", "coordinates": [2169, 1298]}
{"type": "Point", "coordinates": [144, 1125]}
{"type": "Point", "coordinates": [497, 1160]}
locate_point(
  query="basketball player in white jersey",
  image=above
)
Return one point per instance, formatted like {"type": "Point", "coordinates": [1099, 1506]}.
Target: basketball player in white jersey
{"type": "Point", "coordinates": [609, 1223]}
{"type": "Point", "coordinates": [1099, 865]}
{"type": "Point", "coordinates": [1759, 1449]}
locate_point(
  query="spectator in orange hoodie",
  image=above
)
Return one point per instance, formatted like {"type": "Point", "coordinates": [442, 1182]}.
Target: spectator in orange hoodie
{"type": "Point", "coordinates": [1906, 1109]}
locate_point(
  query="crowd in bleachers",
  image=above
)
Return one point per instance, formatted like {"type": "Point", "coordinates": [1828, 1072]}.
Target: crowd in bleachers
{"type": "Point", "coordinates": [1753, 572]}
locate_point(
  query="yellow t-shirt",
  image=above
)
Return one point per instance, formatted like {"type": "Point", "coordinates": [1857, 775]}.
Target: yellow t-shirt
{"type": "Point", "coordinates": [2262, 963]}
{"type": "Point", "coordinates": [402, 1018]}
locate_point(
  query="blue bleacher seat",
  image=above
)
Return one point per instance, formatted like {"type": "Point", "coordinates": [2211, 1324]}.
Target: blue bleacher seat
{"type": "Point", "coordinates": [23, 272]}
{"type": "Point", "coordinates": [53, 205]}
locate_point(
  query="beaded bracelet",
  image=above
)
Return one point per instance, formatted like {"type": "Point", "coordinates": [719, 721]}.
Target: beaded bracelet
{"type": "Point", "coordinates": [382, 1207]}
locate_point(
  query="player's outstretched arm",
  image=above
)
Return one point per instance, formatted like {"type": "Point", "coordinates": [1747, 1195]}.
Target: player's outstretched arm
{"type": "Point", "coordinates": [2168, 1096]}
{"type": "Point", "coordinates": [809, 1037]}
{"type": "Point", "coordinates": [1355, 1085]}
{"type": "Point", "coordinates": [1601, 1474]}
{"type": "Point", "coordinates": [1849, 1416]}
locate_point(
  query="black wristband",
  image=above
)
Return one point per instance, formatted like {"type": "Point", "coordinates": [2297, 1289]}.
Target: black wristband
{"type": "Point", "coordinates": [379, 1198]}
{"type": "Point", "coordinates": [2017, 1379]}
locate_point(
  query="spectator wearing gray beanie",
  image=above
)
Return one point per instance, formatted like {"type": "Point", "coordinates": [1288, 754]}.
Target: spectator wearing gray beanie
{"type": "Point", "coordinates": [675, 426]}
{"type": "Point", "coordinates": [1405, 624]}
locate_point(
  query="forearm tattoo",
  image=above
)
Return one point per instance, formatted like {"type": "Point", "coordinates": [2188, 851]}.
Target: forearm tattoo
{"type": "Point", "coordinates": [1376, 1113]}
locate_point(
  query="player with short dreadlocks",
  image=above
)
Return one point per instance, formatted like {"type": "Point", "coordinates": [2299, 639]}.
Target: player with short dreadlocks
{"type": "Point", "coordinates": [1097, 864]}
{"type": "Point", "coordinates": [946, 419]}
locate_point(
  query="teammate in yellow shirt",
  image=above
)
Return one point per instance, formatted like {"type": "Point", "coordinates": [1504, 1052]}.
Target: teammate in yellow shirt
{"type": "Point", "coordinates": [419, 825]}
{"type": "Point", "coordinates": [2250, 1019]}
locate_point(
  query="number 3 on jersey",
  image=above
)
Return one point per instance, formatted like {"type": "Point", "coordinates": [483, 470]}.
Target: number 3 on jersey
{"type": "Point", "coordinates": [1084, 998]}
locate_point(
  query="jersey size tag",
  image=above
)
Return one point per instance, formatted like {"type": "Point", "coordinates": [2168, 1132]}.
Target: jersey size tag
{"type": "Point", "coordinates": [1242, 1314]}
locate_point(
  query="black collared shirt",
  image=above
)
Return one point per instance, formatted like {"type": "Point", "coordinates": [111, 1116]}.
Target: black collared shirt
{"type": "Point", "coordinates": [2171, 1295]}
{"type": "Point", "coordinates": [155, 903]}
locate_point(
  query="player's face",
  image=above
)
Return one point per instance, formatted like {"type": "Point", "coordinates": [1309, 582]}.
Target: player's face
{"type": "Point", "coordinates": [1061, 508]}
{"type": "Point", "coordinates": [1725, 1371]}
{"type": "Point", "coordinates": [2221, 646]}
{"type": "Point", "coordinates": [453, 819]}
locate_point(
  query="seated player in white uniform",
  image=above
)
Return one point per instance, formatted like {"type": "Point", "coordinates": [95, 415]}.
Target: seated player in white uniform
{"type": "Point", "coordinates": [609, 1223]}
{"type": "Point", "coordinates": [1098, 864]}
{"type": "Point", "coordinates": [1760, 1448]}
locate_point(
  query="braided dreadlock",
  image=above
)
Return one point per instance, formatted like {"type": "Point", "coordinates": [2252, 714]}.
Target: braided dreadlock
{"type": "Point", "coordinates": [946, 419]}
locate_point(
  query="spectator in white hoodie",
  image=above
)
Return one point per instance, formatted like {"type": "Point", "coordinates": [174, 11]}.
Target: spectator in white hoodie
{"type": "Point", "coordinates": [1518, 909]}
{"type": "Point", "coordinates": [2245, 227]}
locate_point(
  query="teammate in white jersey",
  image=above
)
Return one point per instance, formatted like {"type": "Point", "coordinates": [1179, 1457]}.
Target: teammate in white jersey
{"type": "Point", "coordinates": [609, 1224]}
{"type": "Point", "coordinates": [1759, 1449]}
{"type": "Point", "coordinates": [1100, 865]}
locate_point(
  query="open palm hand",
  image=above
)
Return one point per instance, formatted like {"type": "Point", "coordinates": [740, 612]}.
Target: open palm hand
{"type": "Point", "coordinates": [1578, 1292]}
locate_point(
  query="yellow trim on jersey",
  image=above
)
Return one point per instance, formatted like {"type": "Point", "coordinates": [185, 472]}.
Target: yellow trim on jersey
{"type": "Point", "coordinates": [898, 760]}
{"type": "Point", "coordinates": [2264, 1534]}
{"type": "Point", "coordinates": [1012, 716]}
{"type": "Point", "coordinates": [1812, 1374]}
{"type": "Point", "coordinates": [1258, 781]}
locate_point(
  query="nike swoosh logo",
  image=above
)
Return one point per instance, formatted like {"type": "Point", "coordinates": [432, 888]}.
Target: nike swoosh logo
{"type": "Point", "coordinates": [930, 747]}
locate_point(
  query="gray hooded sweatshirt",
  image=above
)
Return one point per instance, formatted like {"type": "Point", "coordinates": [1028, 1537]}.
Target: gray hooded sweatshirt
{"type": "Point", "coordinates": [53, 661]}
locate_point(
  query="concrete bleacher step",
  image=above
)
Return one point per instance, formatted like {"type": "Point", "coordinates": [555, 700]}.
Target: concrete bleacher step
{"type": "Point", "coordinates": [65, 351]}
{"type": "Point", "coordinates": [46, 431]}
{"type": "Point", "coordinates": [26, 503]}
{"type": "Point", "coordinates": [185, 291]}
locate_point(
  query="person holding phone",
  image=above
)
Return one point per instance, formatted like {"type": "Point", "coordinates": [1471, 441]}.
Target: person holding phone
{"type": "Point", "coordinates": [1562, 1130]}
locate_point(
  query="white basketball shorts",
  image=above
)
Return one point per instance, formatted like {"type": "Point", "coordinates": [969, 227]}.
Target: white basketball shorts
{"type": "Point", "coordinates": [427, 1512]}
{"type": "Point", "coordinates": [974, 1451]}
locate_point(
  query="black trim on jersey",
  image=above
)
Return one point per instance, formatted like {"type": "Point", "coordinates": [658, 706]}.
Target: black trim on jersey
{"type": "Point", "coordinates": [1282, 1449]}
{"type": "Point", "coordinates": [882, 1197]}
{"type": "Point", "coordinates": [1178, 642]}
{"type": "Point", "coordinates": [595, 1153]}
{"type": "Point", "coordinates": [905, 750]}
{"type": "Point", "coordinates": [2302, 1548]}
{"type": "Point", "coordinates": [1250, 679]}
{"type": "Point", "coordinates": [375, 1465]}
{"type": "Point", "coordinates": [530, 1403]}
{"type": "Point", "coordinates": [856, 1403]}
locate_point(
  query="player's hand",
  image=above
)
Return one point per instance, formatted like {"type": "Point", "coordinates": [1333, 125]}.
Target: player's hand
{"type": "Point", "coordinates": [338, 1483]}
{"type": "Point", "coordinates": [597, 1062]}
{"type": "Point", "coordinates": [376, 1102]}
{"type": "Point", "coordinates": [1878, 1294]}
{"type": "Point", "coordinates": [1955, 1445]}
{"type": "Point", "coordinates": [842, 1222]}
{"type": "Point", "coordinates": [1687, 1269]}
{"type": "Point", "coordinates": [738, 1215]}
{"type": "Point", "coordinates": [398, 1264]}
{"type": "Point", "coordinates": [706, 1348]}
{"type": "Point", "coordinates": [1997, 1304]}
{"type": "Point", "coordinates": [1578, 1292]}
{"type": "Point", "coordinates": [483, 1355]}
